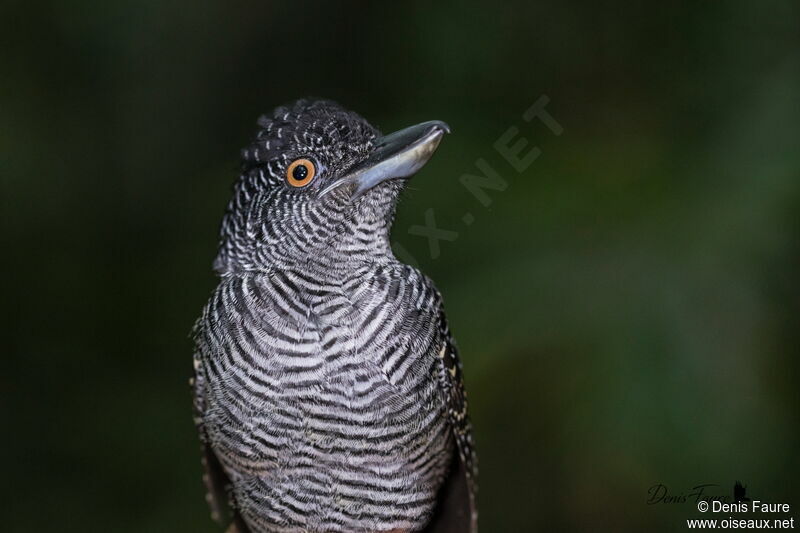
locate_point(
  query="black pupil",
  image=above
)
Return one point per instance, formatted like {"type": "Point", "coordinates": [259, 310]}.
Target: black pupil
{"type": "Point", "coordinates": [300, 172]}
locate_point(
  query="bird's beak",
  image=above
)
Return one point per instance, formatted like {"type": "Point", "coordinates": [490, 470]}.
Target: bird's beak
{"type": "Point", "coordinates": [397, 155]}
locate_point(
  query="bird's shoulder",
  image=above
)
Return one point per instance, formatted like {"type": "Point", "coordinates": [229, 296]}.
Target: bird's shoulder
{"type": "Point", "coordinates": [428, 302]}
{"type": "Point", "coordinates": [396, 281]}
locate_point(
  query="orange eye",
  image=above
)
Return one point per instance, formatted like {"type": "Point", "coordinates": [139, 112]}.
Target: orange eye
{"type": "Point", "coordinates": [300, 172]}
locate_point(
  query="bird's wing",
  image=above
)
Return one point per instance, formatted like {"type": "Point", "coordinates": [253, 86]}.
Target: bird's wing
{"type": "Point", "coordinates": [217, 484]}
{"type": "Point", "coordinates": [457, 510]}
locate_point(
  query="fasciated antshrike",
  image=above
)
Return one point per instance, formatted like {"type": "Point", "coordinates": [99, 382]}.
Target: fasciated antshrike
{"type": "Point", "coordinates": [328, 391]}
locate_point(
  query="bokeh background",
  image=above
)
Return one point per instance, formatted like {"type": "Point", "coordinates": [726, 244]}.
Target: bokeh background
{"type": "Point", "coordinates": [627, 309]}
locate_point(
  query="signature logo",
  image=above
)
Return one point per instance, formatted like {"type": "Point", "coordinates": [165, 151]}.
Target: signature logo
{"type": "Point", "coordinates": [661, 493]}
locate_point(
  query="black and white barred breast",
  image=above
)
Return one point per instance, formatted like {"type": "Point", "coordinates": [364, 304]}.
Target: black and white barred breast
{"type": "Point", "coordinates": [321, 399]}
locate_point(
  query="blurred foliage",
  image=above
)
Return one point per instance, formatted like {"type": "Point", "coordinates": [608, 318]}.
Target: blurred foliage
{"type": "Point", "coordinates": [626, 309]}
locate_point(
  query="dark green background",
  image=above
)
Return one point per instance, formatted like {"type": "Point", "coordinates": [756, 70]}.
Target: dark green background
{"type": "Point", "coordinates": [627, 309]}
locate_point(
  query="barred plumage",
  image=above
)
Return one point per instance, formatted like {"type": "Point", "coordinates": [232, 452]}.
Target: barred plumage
{"type": "Point", "coordinates": [327, 386]}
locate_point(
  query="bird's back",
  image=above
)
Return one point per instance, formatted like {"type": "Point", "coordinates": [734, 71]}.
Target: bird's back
{"type": "Point", "coordinates": [320, 398]}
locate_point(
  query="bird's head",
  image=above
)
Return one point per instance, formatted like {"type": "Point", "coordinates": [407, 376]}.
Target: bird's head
{"type": "Point", "coordinates": [319, 185]}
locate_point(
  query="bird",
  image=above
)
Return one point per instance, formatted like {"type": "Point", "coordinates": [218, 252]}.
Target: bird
{"type": "Point", "coordinates": [328, 391]}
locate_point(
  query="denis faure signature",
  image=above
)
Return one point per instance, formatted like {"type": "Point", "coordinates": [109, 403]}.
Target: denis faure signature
{"type": "Point", "coordinates": [661, 493]}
